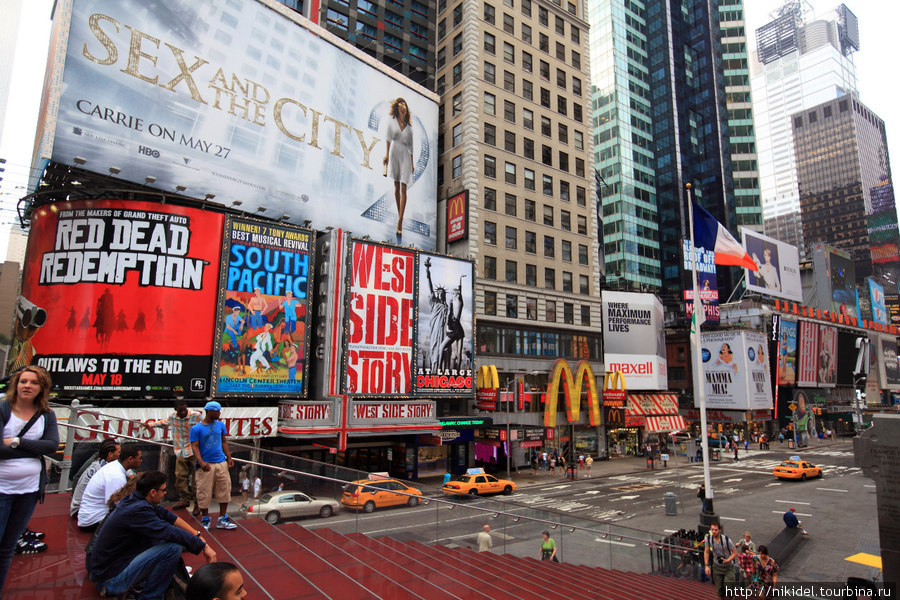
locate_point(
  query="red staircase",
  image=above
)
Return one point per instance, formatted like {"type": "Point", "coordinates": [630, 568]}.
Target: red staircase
{"type": "Point", "coordinates": [293, 563]}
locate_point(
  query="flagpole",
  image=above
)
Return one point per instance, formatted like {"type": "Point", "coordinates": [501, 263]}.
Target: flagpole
{"type": "Point", "coordinates": [708, 515]}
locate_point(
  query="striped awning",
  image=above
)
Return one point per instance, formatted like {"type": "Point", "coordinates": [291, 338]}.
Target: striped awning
{"type": "Point", "coordinates": [665, 424]}
{"type": "Point", "coordinates": [652, 404]}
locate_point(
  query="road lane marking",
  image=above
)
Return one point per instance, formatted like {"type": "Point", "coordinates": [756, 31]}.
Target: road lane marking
{"type": "Point", "coordinates": [793, 502]}
{"type": "Point", "coordinates": [832, 490]}
{"type": "Point", "coordinates": [731, 519]}
{"type": "Point", "coordinates": [796, 513]}
{"type": "Point", "coordinates": [731, 480]}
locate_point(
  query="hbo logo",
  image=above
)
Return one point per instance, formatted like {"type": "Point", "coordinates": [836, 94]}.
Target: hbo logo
{"type": "Point", "coordinates": [148, 151]}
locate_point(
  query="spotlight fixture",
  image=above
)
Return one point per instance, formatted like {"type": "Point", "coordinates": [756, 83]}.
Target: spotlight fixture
{"type": "Point", "coordinates": [79, 161]}
{"type": "Point", "coordinates": [211, 196]}
{"type": "Point", "coordinates": [307, 223]}
{"type": "Point", "coordinates": [180, 188]}
{"type": "Point", "coordinates": [261, 209]}
{"type": "Point", "coordinates": [236, 203]}
{"type": "Point", "coordinates": [149, 179]}
{"type": "Point", "coordinates": [285, 217]}
{"type": "Point", "coordinates": [114, 170]}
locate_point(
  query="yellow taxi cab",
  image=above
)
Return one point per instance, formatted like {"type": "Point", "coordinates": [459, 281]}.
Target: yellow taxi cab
{"type": "Point", "coordinates": [378, 491]}
{"type": "Point", "coordinates": [794, 468]}
{"type": "Point", "coordinates": [476, 482]}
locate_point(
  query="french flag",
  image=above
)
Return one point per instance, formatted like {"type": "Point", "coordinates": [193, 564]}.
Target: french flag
{"type": "Point", "coordinates": [712, 235]}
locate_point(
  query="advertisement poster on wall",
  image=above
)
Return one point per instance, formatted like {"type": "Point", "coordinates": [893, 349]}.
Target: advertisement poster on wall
{"type": "Point", "coordinates": [240, 99]}
{"type": "Point", "coordinates": [876, 297]}
{"type": "Point", "coordinates": [706, 280]}
{"type": "Point", "coordinates": [263, 311]}
{"type": "Point", "coordinates": [634, 339]}
{"type": "Point", "coordinates": [827, 360]}
{"type": "Point", "coordinates": [127, 291]}
{"type": "Point", "coordinates": [381, 309]}
{"type": "Point", "coordinates": [787, 359]}
{"type": "Point", "coordinates": [808, 354]}
{"type": "Point", "coordinates": [736, 370]}
{"type": "Point", "coordinates": [890, 368]}
{"type": "Point", "coordinates": [778, 266]}
{"type": "Point", "coordinates": [446, 327]}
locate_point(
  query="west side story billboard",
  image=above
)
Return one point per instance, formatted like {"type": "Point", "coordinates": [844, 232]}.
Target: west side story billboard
{"type": "Point", "coordinates": [778, 264]}
{"type": "Point", "coordinates": [129, 289]}
{"type": "Point", "coordinates": [245, 100]}
{"type": "Point", "coordinates": [634, 341]}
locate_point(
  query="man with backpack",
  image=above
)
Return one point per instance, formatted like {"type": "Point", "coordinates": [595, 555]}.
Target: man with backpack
{"type": "Point", "coordinates": [718, 558]}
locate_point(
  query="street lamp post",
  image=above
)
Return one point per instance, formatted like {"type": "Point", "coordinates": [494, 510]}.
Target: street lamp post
{"type": "Point", "coordinates": [508, 441]}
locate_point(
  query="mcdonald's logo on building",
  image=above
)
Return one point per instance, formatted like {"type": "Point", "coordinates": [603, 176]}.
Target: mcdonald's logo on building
{"type": "Point", "coordinates": [487, 384]}
{"type": "Point", "coordinates": [614, 396]}
{"type": "Point", "coordinates": [458, 217]}
{"type": "Point", "coordinates": [562, 380]}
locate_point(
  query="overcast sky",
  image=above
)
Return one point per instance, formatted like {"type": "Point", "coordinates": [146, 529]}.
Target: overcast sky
{"type": "Point", "coordinates": [877, 86]}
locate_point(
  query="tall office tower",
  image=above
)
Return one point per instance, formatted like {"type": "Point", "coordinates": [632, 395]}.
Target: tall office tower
{"type": "Point", "coordinates": [660, 122]}
{"type": "Point", "coordinates": [846, 190]}
{"type": "Point", "coordinates": [800, 63]}
{"type": "Point", "coordinates": [514, 137]}
{"type": "Point", "coordinates": [399, 33]}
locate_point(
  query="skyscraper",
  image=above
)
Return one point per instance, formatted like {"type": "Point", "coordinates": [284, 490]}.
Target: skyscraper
{"type": "Point", "coordinates": [800, 63]}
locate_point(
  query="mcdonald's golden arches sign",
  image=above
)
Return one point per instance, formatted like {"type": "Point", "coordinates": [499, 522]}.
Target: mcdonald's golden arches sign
{"type": "Point", "coordinates": [561, 379]}
{"type": "Point", "coordinates": [458, 217]}
{"type": "Point", "coordinates": [614, 397]}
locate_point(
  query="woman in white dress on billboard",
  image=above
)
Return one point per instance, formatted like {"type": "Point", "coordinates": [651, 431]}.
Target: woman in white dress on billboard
{"type": "Point", "coordinates": [398, 157]}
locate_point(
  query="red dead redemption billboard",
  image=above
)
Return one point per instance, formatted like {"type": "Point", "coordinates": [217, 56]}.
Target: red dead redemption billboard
{"type": "Point", "coordinates": [129, 290]}
{"type": "Point", "coordinates": [380, 344]}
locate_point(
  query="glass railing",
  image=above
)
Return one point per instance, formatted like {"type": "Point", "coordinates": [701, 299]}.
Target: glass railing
{"type": "Point", "coordinates": [321, 489]}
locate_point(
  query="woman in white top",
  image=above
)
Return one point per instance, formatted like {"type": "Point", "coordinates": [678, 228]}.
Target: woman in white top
{"type": "Point", "coordinates": [398, 156]}
{"type": "Point", "coordinates": [21, 465]}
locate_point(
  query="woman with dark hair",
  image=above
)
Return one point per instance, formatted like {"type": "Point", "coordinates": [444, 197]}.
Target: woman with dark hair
{"type": "Point", "coordinates": [398, 157]}
{"type": "Point", "coordinates": [29, 434]}
{"type": "Point", "coordinates": [216, 581]}
{"type": "Point", "coordinates": [765, 573]}
{"type": "Point", "coordinates": [548, 547]}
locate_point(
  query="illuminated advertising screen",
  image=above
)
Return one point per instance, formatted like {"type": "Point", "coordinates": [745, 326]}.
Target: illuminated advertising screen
{"type": "Point", "coordinates": [827, 358]}
{"type": "Point", "coordinates": [843, 285]}
{"type": "Point", "coordinates": [706, 281]}
{"type": "Point", "coordinates": [246, 100]}
{"type": "Point", "coordinates": [129, 290]}
{"type": "Point", "coordinates": [876, 297]}
{"type": "Point", "coordinates": [787, 348]}
{"type": "Point", "coordinates": [736, 371]}
{"type": "Point", "coordinates": [778, 267]}
{"type": "Point", "coordinates": [808, 352]}
{"type": "Point", "coordinates": [446, 327]}
{"type": "Point", "coordinates": [264, 308]}
{"type": "Point", "coordinates": [634, 340]}
{"type": "Point", "coordinates": [380, 344]}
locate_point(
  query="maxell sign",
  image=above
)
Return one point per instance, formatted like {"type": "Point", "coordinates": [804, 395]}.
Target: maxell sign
{"type": "Point", "coordinates": [631, 324]}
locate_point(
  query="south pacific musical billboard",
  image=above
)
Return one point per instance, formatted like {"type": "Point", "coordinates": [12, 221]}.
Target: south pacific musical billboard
{"type": "Point", "coordinates": [243, 100]}
{"type": "Point", "coordinates": [264, 310]}
{"type": "Point", "coordinates": [129, 292]}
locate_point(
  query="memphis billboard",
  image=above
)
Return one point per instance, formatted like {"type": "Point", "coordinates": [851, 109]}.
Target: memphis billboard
{"type": "Point", "coordinates": [244, 101]}
{"type": "Point", "coordinates": [128, 291]}
{"type": "Point", "coordinates": [736, 371]}
{"type": "Point", "coordinates": [634, 341]}
{"type": "Point", "coordinates": [778, 266]}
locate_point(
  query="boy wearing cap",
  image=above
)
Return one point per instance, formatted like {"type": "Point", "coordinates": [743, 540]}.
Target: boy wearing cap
{"type": "Point", "coordinates": [792, 522]}
{"type": "Point", "coordinates": [213, 461]}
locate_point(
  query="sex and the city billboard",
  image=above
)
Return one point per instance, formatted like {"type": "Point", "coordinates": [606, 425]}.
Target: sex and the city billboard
{"type": "Point", "coordinates": [128, 293]}
{"type": "Point", "coordinates": [242, 101]}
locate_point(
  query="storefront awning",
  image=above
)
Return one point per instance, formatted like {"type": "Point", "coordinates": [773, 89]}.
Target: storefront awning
{"type": "Point", "coordinates": [652, 404]}
{"type": "Point", "coordinates": [665, 424]}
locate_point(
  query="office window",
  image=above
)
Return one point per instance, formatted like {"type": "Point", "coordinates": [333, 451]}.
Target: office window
{"type": "Point", "coordinates": [548, 215]}
{"type": "Point", "coordinates": [457, 134]}
{"type": "Point", "coordinates": [560, 51]}
{"type": "Point", "coordinates": [565, 220]}
{"type": "Point", "coordinates": [457, 104]}
{"type": "Point", "coordinates": [509, 82]}
{"type": "Point", "coordinates": [442, 24]}
{"type": "Point", "coordinates": [585, 315]}
{"type": "Point", "coordinates": [560, 78]}
{"type": "Point", "coordinates": [576, 112]}
{"type": "Point", "coordinates": [490, 199]}
{"type": "Point", "coordinates": [490, 43]}
{"type": "Point", "coordinates": [529, 177]}
{"type": "Point", "coordinates": [440, 174]}
{"type": "Point", "coordinates": [512, 304]}
{"type": "Point", "coordinates": [543, 43]}
{"type": "Point", "coordinates": [528, 152]}
{"type": "Point", "coordinates": [526, 62]}
{"type": "Point", "coordinates": [566, 251]}
{"type": "Point", "coordinates": [561, 107]}
{"type": "Point", "coordinates": [530, 242]}
{"type": "Point", "coordinates": [440, 143]}
{"type": "Point", "coordinates": [528, 119]}
{"type": "Point", "coordinates": [490, 104]}
{"type": "Point", "coordinates": [509, 24]}
{"type": "Point", "coordinates": [457, 73]}
{"type": "Point", "coordinates": [531, 307]}
{"type": "Point", "coordinates": [530, 211]}
{"type": "Point", "coordinates": [527, 90]}
{"type": "Point", "coordinates": [489, 13]}
{"type": "Point", "coordinates": [564, 162]}
{"type": "Point", "coordinates": [580, 196]}
{"type": "Point", "coordinates": [582, 224]}
{"type": "Point", "coordinates": [576, 59]}
{"type": "Point", "coordinates": [526, 33]}
{"type": "Point", "coordinates": [568, 313]}
{"type": "Point", "coordinates": [511, 173]}
{"type": "Point", "coordinates": [579, 140]}
{"type": "Point", "coordinates": [567, 282]}
{"type": "Point", "coordinates": [509, 53]}
{"type": "Point", "coordinates": [490, 233]}
{"type": "Point", "coordinates": [531, 275]}
{"type": "Point", "coordinates": [490, 167]}
{"type": "Point", "coordinates": [457, 44]}
{"type": "Point", "coordinates": [584, 287]}
{"type": "Point", "coordinates": [509, 111]}
{"type": "Point", "coordinates": [509, 141]}
{"type": "Point", "coordinates": [582, 254]}
{"type": "Point", "coordinates": [576, 35]}
{"type": "Point", "coordinates": [490, 72]}
{"type": "Point", "coordinates": [490, 267]}
{"type": "Point", "coordinates": [560, 25]}
{"type": "Point", "coordinates": [579, 167]}
{"type": "Point", "coordinates": [457, 166]}
{"type": "Point", "coordinates": [548, 185]}
{"type": "Point", "coordinates": [526, 8]}
{"type": "Point", "coordinates": [546, 126]}
{"type": "Point", "coordinates": [490, 133]}
{"type": "Point", "coordinates": [490, 304]}
{"type": "Point", "coordinates": [550, 311]}
{"type": "Point", "coordinates": [441, 56]}
{"type": "Point", "coordinates": [550, 279]}
{"type": "Point", "coordinates": [549, 246]}
{"type": "Point", "coordinates": [543, 16]}
{"type": "Point", "coordinates": [547, 155]}
{"type": "Point", "coordinates": [563, 190]}
{"type": "Point", "coordinates": [457, 14]}
{"type": "Point", "coordinates": [511, 271]}
{"type": "Point", "coordinates": [544, 70]}
{"type": "Point", "coordinates": [511, 205]}
{"type": "Point", "coordinates": [576, 86]}
{"type": "Point", "coordinates": [512, 238]}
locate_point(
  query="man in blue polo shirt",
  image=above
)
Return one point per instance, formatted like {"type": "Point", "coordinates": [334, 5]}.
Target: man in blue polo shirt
{"type": "Point", "coordinates": [213, 461]}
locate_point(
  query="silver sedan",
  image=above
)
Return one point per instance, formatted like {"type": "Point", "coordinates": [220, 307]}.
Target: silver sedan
{"type": "Point", "coordinates": [286, 503]}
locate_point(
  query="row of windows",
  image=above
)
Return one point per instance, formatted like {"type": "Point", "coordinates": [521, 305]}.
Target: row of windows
{"type": "Point", "coordinates": [520, 341]}
{"type": "Point", "coordinates": [511, 275]}
{"type": "Point", "coordinates": [510, 175]}
{"type": "Point", "coordinates": [512, 243]}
